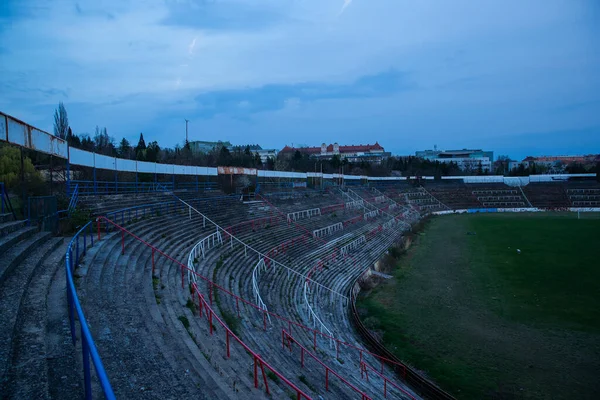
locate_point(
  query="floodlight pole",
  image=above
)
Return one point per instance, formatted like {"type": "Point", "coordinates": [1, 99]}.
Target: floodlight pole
{"type": "Point", "coordinates": [186, 130]}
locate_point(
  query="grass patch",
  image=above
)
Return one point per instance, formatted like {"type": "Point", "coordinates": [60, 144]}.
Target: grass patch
{"type": "Point", "coordinates": [232, 322]}
{"type": "Point", "coordinates": [304, 380]}
{"type": "Point", "coordinates": [271, 375]}
{"type": "Point", "coordinates": [486, 321]}
{"type": "Point", "coordinates": [191, 305]}
{"type": "Point", "coordinates": [184, 321]}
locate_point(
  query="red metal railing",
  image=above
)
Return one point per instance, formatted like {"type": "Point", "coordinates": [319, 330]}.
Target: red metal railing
{"type": "Point", "coordinates": [364, 373]}
{"type": "Point", "coordinates": [287, 337]}
{"type": "Point", "coordinates": [213, 286]}
{"type": "Point", "coordinates": [258, 360]}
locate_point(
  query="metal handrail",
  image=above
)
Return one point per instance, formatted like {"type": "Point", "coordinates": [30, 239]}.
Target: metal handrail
{"type": "Point", "coordinates": [88, 346]}
{"type": "Point", "coordinates": [73, 201]}
{"type": "Point", "coordinates": [315, 317]}
{"type": "Point", "coordinates": [5, 201]}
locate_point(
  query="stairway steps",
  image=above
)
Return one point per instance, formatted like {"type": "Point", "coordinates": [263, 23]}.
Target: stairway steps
{"type": "Point", "coordinates": [10, 226]}
{"type": "Point", "coordinates": [6, 217]}
{"type": "Point", "coordinates": [24, 241]}
{"type": "Point", "coordinates": [28, 373]}
{"type": "Point", "coordinates": [10, 239]}
{"type": "Point", "coordinates": [26, 257]}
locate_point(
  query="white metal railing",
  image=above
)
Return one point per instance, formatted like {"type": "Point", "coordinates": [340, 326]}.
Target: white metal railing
{"type": "Point", "coordinates": [379, 199]}
{"type": "Point", "coordinates": [294, 216]}
{"type": "Point", "coordinates": [353, 245]}
{"type": "Point", "coordinates": [355, 204]}
{"type": "Point", "coordinates": [390, 224]}
{"type": "Point", "coordinates": [259, 267]}
{"type": "Point", "coordinates": [350, 198]}
{"type": "Point", "coordinates": [314, 318]}
{"type": "Point", "coordinates": [247, 247]}
{"type": "Point", "coordinates": [371, 214]}
{"type": "Point", "coordinates": [209, 242]}
{"type": "Point", "coordinates": [328, 230]}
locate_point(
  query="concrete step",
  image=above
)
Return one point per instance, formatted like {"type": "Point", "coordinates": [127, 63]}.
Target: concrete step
{"type": "Point", "coordinates": [7, 241]}
{"type": "Point", "coordinates": [113, 299]}
{"type": "Point", "coordinates": [6, 217]}
{"type": "Point", "coordinates": [28, 372]}
{"type": "Point", "coordinates": [25, 258]}
{"type": "Point", "coordinates": [64, 366]}
{"type": "Point", "coordinates": [10, 226]}
{"type": "Point", "coordinates": [22, 243]}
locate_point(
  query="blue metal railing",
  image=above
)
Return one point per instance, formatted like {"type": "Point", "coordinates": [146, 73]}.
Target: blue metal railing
{"type": "Point", "coordinates": [115, 187]}
{"type": "Point", "coordinates": [5, 200]}
{"type": "Point", "coordinates": [88, 347]}
{"type": "Point", "coordinates": [73, 201]}
{"type": "Point", "coordinates": [77, 248]}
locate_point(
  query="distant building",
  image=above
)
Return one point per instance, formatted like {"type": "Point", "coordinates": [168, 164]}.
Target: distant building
{"type": "Point", "coordinates": [199, 146]}
{"type": "Point", "coordinates": [266, 154]}
{"type": "Point", "coordinates": [373, 153]}
{"type": "Point", "coordinates": [554, 161]}
{"type": "Point", "coordinates": [466, 159]}
{"type": "Point", "coordinates": [514, 164]}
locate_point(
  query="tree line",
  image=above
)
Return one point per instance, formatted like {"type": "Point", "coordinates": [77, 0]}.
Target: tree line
{"type": "Point", "coordinates": [246, 156]}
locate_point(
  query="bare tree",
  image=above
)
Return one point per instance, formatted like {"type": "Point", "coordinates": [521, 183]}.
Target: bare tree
{"type": "Point", "coordinates": [61, 121]}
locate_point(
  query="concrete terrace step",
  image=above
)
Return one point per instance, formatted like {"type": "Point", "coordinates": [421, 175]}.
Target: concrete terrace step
{"type": "Point", "coordinates": [154, 359]}
{"type": "Point", "coordinates": [113, 275]}
{"type": "Point", "coordinates": [64, 368]}
{"type": "Point", "coordinates": [171, 309]}
{"type": "Point", "coordinates": [10, 226]}
{"type": "Point", "coordinates": [21, 244]}
{"type": "Point", "coordinates": [6, 217]}
{"type": "Point", "coordinates": [24, 260]}
{"type": "Point", "coordinates": [9, 240]}
{"type": "Point", "coordinates": [28, 372]}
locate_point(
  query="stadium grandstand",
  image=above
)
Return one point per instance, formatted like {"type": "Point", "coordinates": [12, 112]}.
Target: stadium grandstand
{"type": "Point", "coordinates": [180, 287]}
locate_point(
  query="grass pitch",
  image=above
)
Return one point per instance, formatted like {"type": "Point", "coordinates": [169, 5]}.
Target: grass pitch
{"type": "Point", "coordinates": [485, 320]}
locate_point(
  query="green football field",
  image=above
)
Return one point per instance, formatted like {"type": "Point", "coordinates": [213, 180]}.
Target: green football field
{"type": "Point", "coordinates": [497, 305]}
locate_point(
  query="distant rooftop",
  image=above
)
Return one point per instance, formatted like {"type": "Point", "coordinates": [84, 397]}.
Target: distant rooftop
{"type": "Point", "coordinates": [329, 148]}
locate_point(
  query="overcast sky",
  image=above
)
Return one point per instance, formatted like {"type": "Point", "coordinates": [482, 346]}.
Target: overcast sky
{"type": "Point", "coordinates": [519, 77]}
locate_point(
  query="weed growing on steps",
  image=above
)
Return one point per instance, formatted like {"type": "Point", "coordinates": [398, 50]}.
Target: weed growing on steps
{"type": "Point", "coordinates": [303, 379]}
{"type": "Point", "coordinates": [232, 322]}
{"type": "Point", "coordinates": [228, 317]}
{"type": "Point", "coordinates": [271, 375]}
{"type": "Point", "coordinates": [191, 305]}
{"type": "Point", "coordinates": [184, 321]}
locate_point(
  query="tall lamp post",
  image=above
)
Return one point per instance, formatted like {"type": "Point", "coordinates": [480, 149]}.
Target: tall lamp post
{"type": "Point", "coordinates": [186, 130]}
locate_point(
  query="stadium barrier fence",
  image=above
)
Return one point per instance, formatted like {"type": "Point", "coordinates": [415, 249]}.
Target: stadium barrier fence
{"type": "Point", "coordinates": [17, 132]}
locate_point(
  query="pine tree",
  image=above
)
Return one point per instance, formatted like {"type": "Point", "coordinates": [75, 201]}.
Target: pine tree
{"type": "Point", "coordinates": [141, 143]}
{"type": "Point", "coordinates": [61, 121]}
